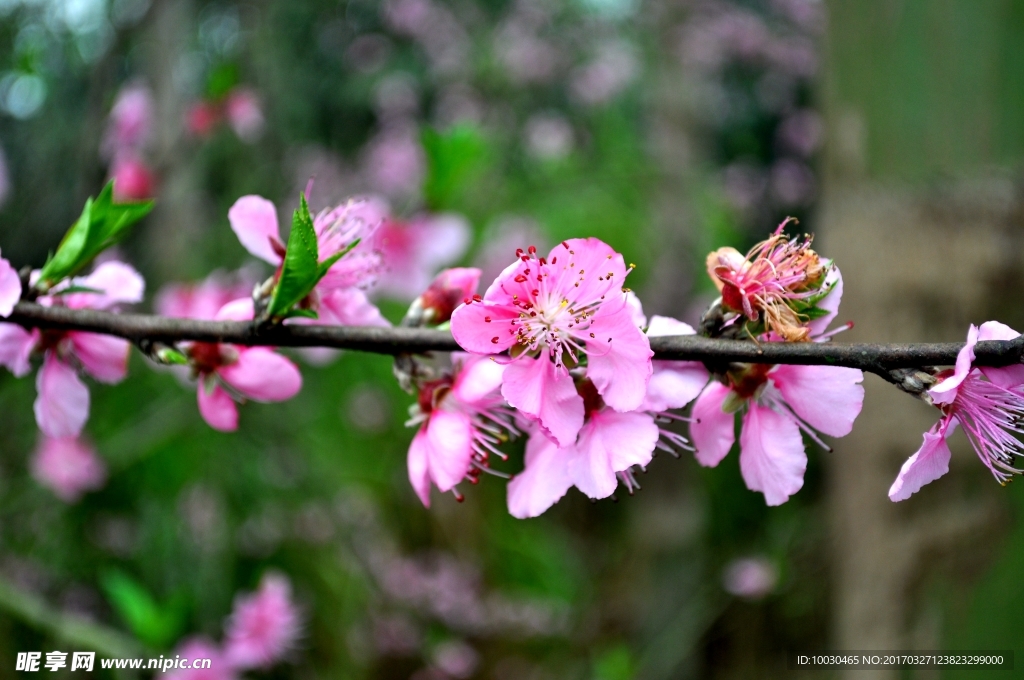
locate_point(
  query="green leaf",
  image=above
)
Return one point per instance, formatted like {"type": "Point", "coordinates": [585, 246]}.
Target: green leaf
{"type": "Point", "coordinates": [155, 625]}
{"type": "Point", "coordinates": [101, 224]}
{"type": "Point", "coordinates": [300, 270]}
{"type": "Point", "coordinates": [455, 159]}
{"type": "Point", "coordinates": [305, 313]}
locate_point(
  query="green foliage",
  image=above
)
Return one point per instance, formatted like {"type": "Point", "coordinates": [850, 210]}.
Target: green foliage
{"type": "Point", "coordinates": [301, 270]}
{"type": "Point", "coordinates": [615, 664]}
{"type": "Point", "coordinates": [155, 625]}
{"type": "Point", "coordinates": [102, 224]}
{"type": "Point", "coordinates": [454, 158]}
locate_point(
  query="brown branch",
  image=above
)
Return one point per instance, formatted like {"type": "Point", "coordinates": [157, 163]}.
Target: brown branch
{"type": "Point", "coordinates": [140, 328]}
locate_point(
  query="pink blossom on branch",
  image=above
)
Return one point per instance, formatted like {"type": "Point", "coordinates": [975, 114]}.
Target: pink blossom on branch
{"type": "Point", "coordinates": [339, 297]}
{"type": "Point", "coordinates": [462, 419]}
{"type": "Point", "coordinates": [67, 466]}
{"type": "Point", "coordinates": [10, 288]}
{"type": "Point", "coordinates": [447, 291]}
{"type": "Point", "coordinates": [552, 314]}
{"type": "Point", "coordinates": [62, 406]}
{"type": "Point", "coordinates": [987, 402]}
{"type": "Point", "coordinates": [415, 250]}
{"type": "Point", "coordinates": [263, 626]}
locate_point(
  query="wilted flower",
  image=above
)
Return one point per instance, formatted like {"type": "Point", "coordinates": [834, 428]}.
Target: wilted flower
{"type": "Point", "coordinates": [62, 406]}
{"type": "Point", "coordinates": [263, 626]}
{"type": "Point", "coordinates": [777, 283]}
{"type": "Point", "coordinates": [552, 314]}
{"type": "Point", "coordinates": [67, 466]}
{"type": "Point", "coordinates": [462, 419]}
{"type": "Point", "coordinates": [987, 402]}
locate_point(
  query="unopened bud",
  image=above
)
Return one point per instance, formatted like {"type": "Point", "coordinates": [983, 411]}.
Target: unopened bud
{"type": "Point", "coordinates": [436, 304]}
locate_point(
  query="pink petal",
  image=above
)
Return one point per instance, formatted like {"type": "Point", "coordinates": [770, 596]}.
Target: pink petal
{"type": "Point", "coordinates": [636, 310]}
{"type": "Point", "coordinates": [1007, 376]}
{"type": "Point", "coordinates": [102, 356]}
{"type": "Point", "coordinates": [828, 398]}
{"type": "Point", "coordinates": [928, 463]}
{"type": "Point", "coordinates": [10, 288]}
{"type": "Point", "coordinates": [611, 442]}
{"type": "Point", "coordinates": [544, 481]}
{"type": "Point", "coordinates": [478, 377]}
{"type": "Point", "coordinates": [666, 325]}
{"type": "Point", "coordinates": [548, 395]}
{"type": "Point", "coordinates": [254, 221]}
{"type": "Point", "coordinates": [450, 436]}
{"type": "Point", "coordinates": [443, 239]}
{"type": "Point", "coordinates": [485, 328]}
{"type": "Point", "coordinates": [772, 458]}
{"type": "Point", "coordinates": [262, 374]}
{"type": "Point", "coordinates": [68, 467]}
{"type": "Point", "coordinates": [62, 406]}
{"type": "Point", "coordinates": [217, 407]}
{"type": "Point", "coordinates": [236, 310]}
{"type": "Point", "coordinates": [945, 391]}
{"type": "Point", "coordinates": [419, 467]}
{"type": "Point", "coordinates": [604, 270]}
{"type": "Point", "coordinates": [119, 282]}
{"type": "Point", "coordinates": [621, 368]}
{"type": "Point", "coordinates": [349, 307]}
{"type": "Point", "coordinates": [713, 431]}
{"type": "Point", "coordinates": [830, 302]}
{"type": "Point", "coordinates": [16, 345]}
{"type": "Point", "coordinates": [674, 384]}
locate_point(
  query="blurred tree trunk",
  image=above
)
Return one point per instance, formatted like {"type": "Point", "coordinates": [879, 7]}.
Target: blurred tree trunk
{"type": "Point", "coordinates": [921, 209]}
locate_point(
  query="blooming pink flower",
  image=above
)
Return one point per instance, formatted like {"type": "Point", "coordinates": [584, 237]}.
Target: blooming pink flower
{"type": "Point", "coordinates": [987, 402]}
{"type": "Point", "coordinates": [552, 313]}
{"type": "Point", "coordinates": [230, 373]}
{"type": "Point", "coordinates": [414, 251]}
{"type": "Point", "coordinates": [338, 297]}
{"type": "Point", "coordinates": [10, 288]}
{"type": "Point", "coordinates": [131, 121]}
{"type": "Point", "coordinates": [133, 181]}
{"type": "Point", "coordinates": [263, 626]}
{"type": "Point", "coordinates": [779, 401]}
{"type": "Point", "coordinates": [198, 648]}
{"type": "Point", "coordinates": [62, 406]}
{"type": "Point", "coordinates": [201, 300]}
{"type": "Point", "coordinates": [244, 113]}
{"type": "Point", "coordinates": [67, 466]}
{"type": "Point", "coordinates": [462, 419]}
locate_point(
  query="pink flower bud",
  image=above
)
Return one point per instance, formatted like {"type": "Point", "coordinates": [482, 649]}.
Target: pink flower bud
{"type": "Point", "coordinates": [133, 181]}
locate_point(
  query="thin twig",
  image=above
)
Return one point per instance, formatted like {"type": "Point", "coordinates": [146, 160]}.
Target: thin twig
{"type": "Point", "coordinates": [874, 357]}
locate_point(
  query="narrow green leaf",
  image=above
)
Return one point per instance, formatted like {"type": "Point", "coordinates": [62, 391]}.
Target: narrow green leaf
{"type": "Point", "coordinates": [324, 266]}
{"type": "Point", "coordinates": [102, 224]}
{"type": "Point", "coordinates": [300, 269]}
{"type": "Point", "coordinates": [152, 624]}
{"type": "Point", "coordinates": [455, 158]}
{"type": "Point", "coordinates": [305, 313]}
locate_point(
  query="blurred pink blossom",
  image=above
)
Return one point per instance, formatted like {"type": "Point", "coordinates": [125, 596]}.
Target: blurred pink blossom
{"type": "Point", "coordinates": [414, 251]}
{"type": "Point", "coordinates": [792, 183]}
{"type": "Point", "coordinates": [67, 466]}
{"type": "Point", "coordinates": [548, 136]}
{"type": "Point", "coordinates": [204, 299]}
{"type": "Point", "coordinates": [133, 181]}
{"type": "Point", "coordinates": [801, 132]}
{"type": "Point", "coordinates": [131, 120]}
{"type": "Point", "coordinates": [202, 117]}
{"type": "Point", "coordinates": [263, 626]}
{"type": "Point", "coordinates": [614, 67]}
{"type": "Point", "coordinates": [456, 659]}
{"type": "Point", "coordinates": [527, 57]}
{"type": "Point", "coordinates": [751, 578]}
{"type": "Point", "coordinates": [10, 288]}
{"type": "Point", "coordinates": [244, 113]}
{"type": "Point", "coordinates": [395, 163]}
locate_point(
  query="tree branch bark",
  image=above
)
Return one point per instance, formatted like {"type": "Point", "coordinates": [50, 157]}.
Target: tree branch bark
{"type": "Point", "coordinates": [875, 358]}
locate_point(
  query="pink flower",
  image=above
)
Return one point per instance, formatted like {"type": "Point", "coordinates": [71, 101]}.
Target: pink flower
{"type": "Point", "coordinates": [68, 467]}
{"type": "Point", "coordinates": [446, 292]}
{"type": "Point", "coordinates": [395, 162]}
{"type": "Point", "coordinates": [553, 313]}
{"type": "Point", "coordinates": [231, 373]}
{"type": "Point", "coordinates": [751, 578]}
{"type": "Point", "coordinates": [462, 419]}
{"type": "Point", "coordinates": [244, 113]}
{"type": "Point", "coordinates": [62, 406]}
{"type": "Point", "coordinates": [133, 181]}
{"type": "Point", "coordinates": [204, 299]}
{"type": "Point", "coordinates": [987, 402]}
{"type": "Point", "coordinates": [192, 651]}
{"type": "Point", "coordinates": [414, 251]}
{"type": "Point", "coordinates": [779, 403]}
{"type": "Point", "coordinates": [130, 122]}
{"type": "Point", "coordinates": [202, 117]}
{"type": "Point", "coordinates": [263, 626]}
{"type": "Point", "coordinates": [338, 297]}
{"type": "Point", "coordinates": [10, 289]}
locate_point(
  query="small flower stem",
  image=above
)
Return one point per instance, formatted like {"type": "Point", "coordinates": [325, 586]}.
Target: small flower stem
{"type": "Point", "coordinates": [877, 358]}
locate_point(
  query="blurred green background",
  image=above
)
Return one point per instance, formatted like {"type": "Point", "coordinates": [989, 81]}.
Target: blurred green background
{"type": "Point", "coordinates": [893, 128]}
